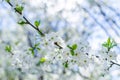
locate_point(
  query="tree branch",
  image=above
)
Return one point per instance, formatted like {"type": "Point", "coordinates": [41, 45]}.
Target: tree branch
{"type": "Point", "coordinates": [28, 22]}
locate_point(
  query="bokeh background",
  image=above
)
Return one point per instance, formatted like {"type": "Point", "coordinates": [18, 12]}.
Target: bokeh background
{"type": "Point", "coordinates": [94, 20]}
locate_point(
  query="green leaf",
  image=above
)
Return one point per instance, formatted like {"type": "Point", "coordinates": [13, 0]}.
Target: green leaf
{"type": "Point", "coordinates": [109, 44]}
{"type": "Point", "coordinates": [19, 9]}
{"type": "Point", "coordinates": [65, 64]}
{"type": "Point", "coordinates": [8, 48]}
{"type": "Point", "coordinates": [32, 51]}
{"type": "Point", "coordinates": [38, 49]}
{"type": "Point", "coordinates": [42, 60]}
{"type": "Point", "coordinates": [105, 45]}
{"type": "Point", "coordinates": [74, 46]}
{"type": "Point", "coordinates": [21, 22]}
{"type": "Point", "coordinates": [7, 0]}
{"type": "Point", "coordinates": [33, 48]}
{"type": "Point", "coordinates": [109, 40]}
{"type": "Point", "coordinates": [113, 43]}
{"type": "Point", "coordinates": [36, 45]}
{"type": "Point", "coordinates": [72, 52]}
{"type": "Point", "coordinates": [37, 23]}
{"type": "Point", "coordinates": [72, 49]}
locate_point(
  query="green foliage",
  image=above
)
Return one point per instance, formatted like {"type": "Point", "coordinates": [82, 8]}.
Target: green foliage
{"type": "Point", "coordinates": [74, 46]}
{"type": "Point", "coordinates": [72, 49]}
{"type": "Point", "coordinates": [19, 9]}
{"type": "Point", "coordinates": [8, 48]}
{"type": "Point", "coordinates": [36, 45]}
{"type": "Point", "coordinates": [32, 51]}
{"type": "Point", "coordinates": [21, 22]}
{"type": "Point", "coordinates": [72, 52]}
{"type": "Point", "coordinates": [109, 44]}
{"type": "Point", "coordinates": [37, 23]}
{"type": "Point", "coordinates": [41, 61]}
{"type": "Point", "coordinates": [33, 48]}
{"type": "Point", "coordinates": [65, 64]}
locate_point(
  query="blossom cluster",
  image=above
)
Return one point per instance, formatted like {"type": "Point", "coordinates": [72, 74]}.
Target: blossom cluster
{"type": "Point", "coordinates": [52, 54]}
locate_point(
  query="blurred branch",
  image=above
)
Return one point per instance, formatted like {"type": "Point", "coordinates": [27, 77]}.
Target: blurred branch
{"type": "Point", "coordinates": [112, 9]}
{"type": "Point", "coordinates": [29, 40]}
{"type": "Point", "coordinates": [107, 19]}
{"type": "Point", "coordinates": [96, 21]}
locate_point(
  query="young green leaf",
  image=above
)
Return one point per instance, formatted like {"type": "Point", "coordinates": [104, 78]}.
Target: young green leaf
{"type": "Point", "coordinates": [65, 64]}
{"type": "Point", "coordinates": [8, 48]}
{"type": "Point", "coordinates": [42, 60]}
{"type": "Point", "coordinates": [36, 45]}
{"type": "Point", "coordinates": [32, 51]}
{"type": "Point", "coordinates": [74, 46]}
{"type": "Point", "coordinates": [113, 43]}
{"type": "Point", "coordinates": [21, 22]}
{"type": "Point", "coordinates": [109, 44]}
{"type": "Point", "coordinates": [109, 40]}
{"type": "Point", "coordinates": [105, 45]}
{"type": "Point", "coordinates": [72, 49]}
{"type": "Point", "coordinates": [19, 9]}
{"type": "Point", "coordinates": [72, 52]}
{"type": "Point", "coordinates": [37, 23]}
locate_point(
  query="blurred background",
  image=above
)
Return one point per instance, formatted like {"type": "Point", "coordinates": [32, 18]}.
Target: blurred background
{"type": "Point", "coordinates": [92, 20]}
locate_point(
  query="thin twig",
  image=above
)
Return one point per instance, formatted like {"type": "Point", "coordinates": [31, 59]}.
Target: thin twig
{"type": "Point", "coordinates": [28, 22]}
{"type": "Point", "coordinates": [96, 21]}
{"type": "Point", "coordinates": [115, 63]}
